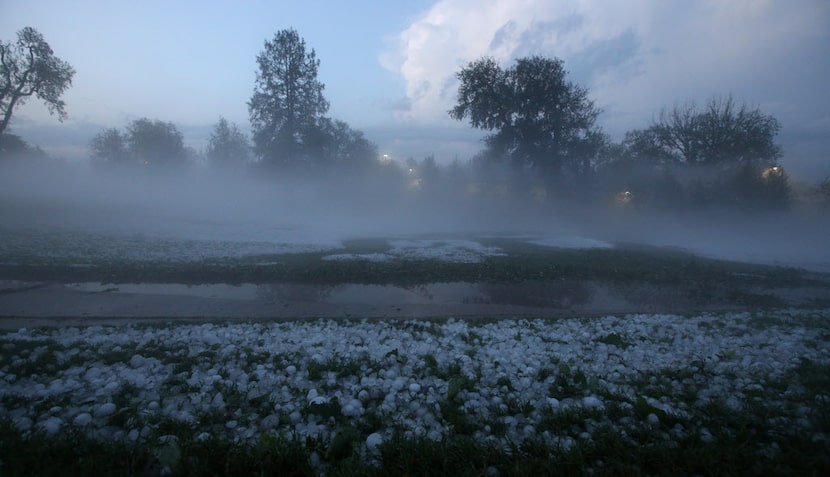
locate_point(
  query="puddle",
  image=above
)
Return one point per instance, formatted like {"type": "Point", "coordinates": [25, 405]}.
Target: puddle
{"type": "Point", "coordinates": [432, 294]}
{"type": "Point", "coordinates": [557, 295]}
{"type": "Point", "coordinates": [24, 300]}
{"type": "Point", "coordinates": [216, 290]}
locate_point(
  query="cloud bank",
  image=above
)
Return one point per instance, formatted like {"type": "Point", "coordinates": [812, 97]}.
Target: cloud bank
{"type": "Point", "coordinates": [635, 56]}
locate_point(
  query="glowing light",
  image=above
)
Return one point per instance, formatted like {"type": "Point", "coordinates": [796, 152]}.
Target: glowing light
{"type": "Point", "coordinates": [625, 197]}
{"type": "Point", "coordinates": [774, 171]}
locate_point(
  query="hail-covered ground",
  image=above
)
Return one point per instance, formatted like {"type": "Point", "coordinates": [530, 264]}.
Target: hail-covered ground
{"type": "Point", "coordinates": [563, 381]}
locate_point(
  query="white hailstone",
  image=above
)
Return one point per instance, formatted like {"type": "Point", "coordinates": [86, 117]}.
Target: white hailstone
{"type": "Point", "coordinates": [732, 402]}
{"type": "Point", "coordinates": [492, 472]}
{"type": "Point", "coordinates": [291, 369]}
{"type": "Point", "coordinates": [312, 394]}
{"type": "Point", "coordinates": [653, 420]}
{"type": "Point", "coordinates": [137, 361]}
{"type": "Point", "coordinates": [295, 417]}
{"type": "Point", "coordinates": [270, 421]}
{"type": "Point", "coordinates": [317, 358]}
{"type": "Point", "coordinates": [105, 410]}
{"type": "Point", "coordinates": [133, 435]}
{"type": "Point", "coordinates": [398, 384]}
{"type": "Point", "coordinates": [434, 434]}
{"type": "Point", "coordinates": [168, 438]}
{"type": "Point", "coordinates": [51, 425]}
{"type": "Point", "coordinates": [354, 408]}
{"type": "Point", "coordinates": [153, 406]}
{"type": "Point", "coordinates": [203, 436]}
{"type": "Point", "coordinates": [218, 401]}
{"type": "Point", "coordinates": [391, 373]}
{"type": "Point", "coordinates": [592, 402]}
{"type": "Point", "coordinates": [23, 423]}
{"type": "Point", "coordinates": [231, 424]}
{"type": "Point", "coordinates": [414, 388]}
{"type": "Point", "coordinates": [363, 395]}
{"type": "Point", "coordinates": [319, 400]}
{"type": "Point", "coordinates": [553, 402]}
{"type": "Point", "coordinates": [373, 441]}
{"type": "Point", "coordinates": [315, 461]}
{"type": "Point", "coordinates": [82, 419]}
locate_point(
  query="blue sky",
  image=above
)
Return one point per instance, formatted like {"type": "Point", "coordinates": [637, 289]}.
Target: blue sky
{"type": "Point", "coordinates": [389, 66]}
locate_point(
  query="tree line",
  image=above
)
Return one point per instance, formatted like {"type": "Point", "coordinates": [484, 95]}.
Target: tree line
{"type": "Point", "coordinates": [543, 134]}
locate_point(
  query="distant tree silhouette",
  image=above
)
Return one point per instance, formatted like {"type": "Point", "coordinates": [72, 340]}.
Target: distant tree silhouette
{"type": "Point", "coordinates": [287, 102]}
{"type": "Point", "coordinates": [109, 147]}
{"type": "Point", "coordinates": [645, 145]}
{"type": "Point", "coordinates": [336, 144]}
{"type": "Point", "coordinates": [723, 132]}
{"type": "Point", "coordinates": [13, 146]}
{"type": "Point", "coordinates": [541, 121]}
{"type": "Point", "coordinates": [156, 144]}
{"type": "Point", "coordinates": [228, 146]}
{"type": "Point", "coordinates": [29, 68]}
{"type": "Point", "coordinates": [147, 143]}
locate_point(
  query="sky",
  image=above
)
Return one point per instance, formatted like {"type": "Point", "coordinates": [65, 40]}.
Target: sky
{"type": "Point", "coordinates": [389, 67]}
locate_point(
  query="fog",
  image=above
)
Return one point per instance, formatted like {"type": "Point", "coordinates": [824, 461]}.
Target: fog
{"type": "Point", "coordinates": [327, 208]}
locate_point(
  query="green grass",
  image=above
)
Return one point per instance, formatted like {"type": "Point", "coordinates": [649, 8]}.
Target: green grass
{"type": "Point", "coordinates": [524, 262]}
{"type": "Point", "coordinates": [624, 439]}
{"type": "Point", "coordinates": [738, 449]}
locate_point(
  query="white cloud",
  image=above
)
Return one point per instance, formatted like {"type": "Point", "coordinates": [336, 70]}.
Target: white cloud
{"type": "Point", "coordinates": [635, 56]}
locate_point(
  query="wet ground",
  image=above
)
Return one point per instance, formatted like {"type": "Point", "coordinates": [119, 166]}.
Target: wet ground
{"type": "Point", "coordinates": [28, 304]}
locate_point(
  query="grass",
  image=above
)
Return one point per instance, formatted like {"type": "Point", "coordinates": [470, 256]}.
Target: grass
{"type": "Point", "coordinates": [779, 426]}
{"type": "Point", "coordinates": [524, 262]}
{"type": "Point", "coordinates": [738, 449]}
{"type": "Point", "coordinates": [528, 274]}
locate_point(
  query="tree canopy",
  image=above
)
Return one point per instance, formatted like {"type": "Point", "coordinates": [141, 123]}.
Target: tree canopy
{"type": "Point", "coordinates": [723, 132]}
{"type": "Point", "coordinates": [288, 101]}
{"type": "Point", "coordinates": [228, 146]}
{"type": "Point", "coordinates": [150, 143]}
{"type": "Point", "coordinates": [541, 120]}
{"type": "Point", "coordinates": [336, 144]}
{"type": "Point", "coordinates": [28, 68]}
{"type": "Point", "coordinates": [156, 143]}
{"type": "Point", "coordinates": [110, 147]}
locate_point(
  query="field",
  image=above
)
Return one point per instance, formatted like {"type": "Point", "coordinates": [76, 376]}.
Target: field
{"type": "Point", "coordinates": [555, 355]}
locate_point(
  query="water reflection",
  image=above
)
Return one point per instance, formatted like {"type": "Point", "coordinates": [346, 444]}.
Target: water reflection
{"type": "Point", "coordinates": [561, 294]}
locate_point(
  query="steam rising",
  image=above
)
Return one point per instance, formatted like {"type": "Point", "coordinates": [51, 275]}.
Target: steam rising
{"type": "Point", "coordinates": [322, 211]}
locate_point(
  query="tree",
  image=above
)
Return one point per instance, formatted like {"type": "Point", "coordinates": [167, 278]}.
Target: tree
{"type": "Point", "coordinates": [720, 134]}
{"type": "Point", "coordinates": [288, 101]}
{"type": "Point", "coordinates": [110, 147]}
{"type": "Point", "coordinates": [336, 144]}
{"type": "Point", "coordinates": [541, 120]}
{"type": "Point", "coordinates": [147, 143]}
{"type": "Point", "coordinates": [156, 143]}
{"type": "Point", "coordinates": [13, 146]}
{"type": "Point", "coordinates": [228, 146]}
{"type": "Point", "coordinates": [28, 68]}
{"type": "Point", "coordinates": [644, 145]}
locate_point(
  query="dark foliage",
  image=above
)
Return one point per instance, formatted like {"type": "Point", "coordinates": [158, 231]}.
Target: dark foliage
{"type": "Point", "coordinates": [29, 68]}
{"type": "Point", "coordinates": [228, 146]}
{"type": "Point", "coordinates": [541, 121]}
{"type": "Point", "coordinates": [153, 144]}
{"type": "Point", "coordinates": [723, 132]}
{"type": "Point", "coordinates": [288, 101]}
